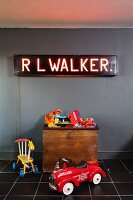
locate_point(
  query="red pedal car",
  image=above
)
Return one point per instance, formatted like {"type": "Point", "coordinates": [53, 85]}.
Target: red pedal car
{"type": "Point", "coordinates": [67, 175]}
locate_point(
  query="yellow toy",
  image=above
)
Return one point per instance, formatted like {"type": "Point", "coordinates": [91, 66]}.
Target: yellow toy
{"type": "Point", "coordinates": [25, 147]}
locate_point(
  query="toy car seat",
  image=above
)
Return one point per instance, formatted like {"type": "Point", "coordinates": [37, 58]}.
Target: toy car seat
{"type": "Point", "coordinates": [82, 164]}
{"type": "Point", "coordinates": [66, 161]}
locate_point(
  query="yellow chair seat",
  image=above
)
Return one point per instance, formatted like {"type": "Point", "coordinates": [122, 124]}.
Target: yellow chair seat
{"type": "Point", "coordinates": [24, 158]}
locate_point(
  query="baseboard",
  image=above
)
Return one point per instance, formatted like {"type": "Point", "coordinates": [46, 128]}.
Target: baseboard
{"type": "Point", "coordinates": [101, 155]}
{"type": "Point", "coordinates": [115, 155]}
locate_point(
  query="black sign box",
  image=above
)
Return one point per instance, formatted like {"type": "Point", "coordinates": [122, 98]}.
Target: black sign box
{"type": "Point", "coordinates": [65, 65]}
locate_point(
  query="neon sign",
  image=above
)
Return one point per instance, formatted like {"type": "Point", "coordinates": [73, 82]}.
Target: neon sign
{"type": "Point", "coordinates": [65, 65]}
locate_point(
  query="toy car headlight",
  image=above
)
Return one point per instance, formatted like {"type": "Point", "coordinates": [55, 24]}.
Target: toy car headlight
{"type": "Point", "coordinates": [51, 179]}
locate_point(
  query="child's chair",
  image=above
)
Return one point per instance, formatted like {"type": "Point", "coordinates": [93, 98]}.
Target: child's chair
{"type": "Point", "coordinates": [25, 146]}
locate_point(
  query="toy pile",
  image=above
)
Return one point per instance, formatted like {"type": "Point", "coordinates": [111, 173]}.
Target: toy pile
{"type": "Point", "coordinates": [72, 120]}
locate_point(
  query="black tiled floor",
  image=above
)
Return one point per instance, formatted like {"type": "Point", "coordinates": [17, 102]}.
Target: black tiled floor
{"type": "Point", "coordinates": [114, 166]}
{"type": "Point", "coordinates": [4, 188]}
{"type": "Point", "coordinates": [83, 189]}
{"type": "Point", "coordinates": [128, 164]}
{"type": "Point", "coordinates": [39, 164]}
{"type": "Point", "coordinates": [106, 179]}
{"type": "Point", "coordinates": [24, 189]}
{"type": "Point", "coordinates": [3, 163]}
{"type": "Point", "coordinates": [106, 198]}
{"type": "Point", "coordinates": [118, 185]}
{"type": "Point", "coordinates": [8, 167]}
{"type": "Point", "coordinates": [127, 197]}
{"type": "Point", "coordinates": [45, 190]}
{"type": "Point", "coordinates": [76, 197]}
{"type": "Point", "coordinates": [45, 177]}
{"type": "Point", "coordinates": [8, 177]}
{"type": "Point", "coordinates": [121, 177]}
{"type": "Point", "coordinates": [124, 188]}
{"type": "Point", "coordinates": [2, 197]}
{"type": "Point", "coordinates": [48, 198]}
{"type": "Point", "coordinates": [30, 177]}
{"type": "Point", "coordinates": [20, 197]}
{"type": "Point", "coordinates": [103, 189]}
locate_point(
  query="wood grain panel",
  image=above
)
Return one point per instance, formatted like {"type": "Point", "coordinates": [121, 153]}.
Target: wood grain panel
{"type": "Point", "coordinates": [75, 144]}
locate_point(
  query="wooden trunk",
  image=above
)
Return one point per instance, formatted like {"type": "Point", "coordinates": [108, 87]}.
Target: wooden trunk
{"type": "Point", "coordinates": [77, 144]}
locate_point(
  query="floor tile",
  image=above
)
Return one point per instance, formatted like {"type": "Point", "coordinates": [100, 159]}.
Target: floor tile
{"type": "Point", "coordinates": [128, 164]}
{"type": "Point", "coordinates": [106, 198]}
{"type": "Point", "coordinates": [114, 166]}
{"type": "Point", "coordinates": [103, 189]}
{"type": "Point", "coordinates": [45, 190]}
{"type": "Point", "coordinates": [82, 189]}
{"type": "Point", "coordinates": [15, 197]}
{"type": "Point", "coordinates": [8, 167]}
{"type": "Point", "coordinates": [124, 188]}
{"type": "Point", "coordinates": [127, 197]}
{"type": "Point", "coordinates": [45, 177]}
{"type": "Point", "coordinates": [8, 177]}
{"type": "Point", "coordinates": [24, 189]}
{"type": "Point", "coordinates": [30, 177]}
{"type": "Point", "coordinates": [48, 198]}
{"type": "Point", "coordinates": [76, 197]}
{"type": "Point", "coordinates": [4, 188]}
{"type": "Point", "coordinates": [121, 177]}
{"type": "Point", "coordinates": [2, 197]}
{"type": "Point", "coordinates": [3, 163]}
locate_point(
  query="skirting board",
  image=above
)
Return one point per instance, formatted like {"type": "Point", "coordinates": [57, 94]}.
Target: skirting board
{"type": "Point", "coordinates": [115, 155]}
{"type": "Point", "coordinates": [101, 155]}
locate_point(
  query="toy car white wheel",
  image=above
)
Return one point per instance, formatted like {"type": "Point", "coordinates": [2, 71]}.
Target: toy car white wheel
{"type": "Point", "coordinates": [68, 188]}
{"type": "Point", "coordinates": [97, 179]}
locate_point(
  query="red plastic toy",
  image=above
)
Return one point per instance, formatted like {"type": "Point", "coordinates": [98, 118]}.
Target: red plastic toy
{"type": "Point", "coordinates": [67, 175]}
{"type": "Point", "coordinates": [89, 123]}
{"type": "Point", "coordinates": [76, 119]}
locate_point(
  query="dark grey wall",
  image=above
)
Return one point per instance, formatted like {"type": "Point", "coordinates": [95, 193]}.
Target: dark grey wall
{"type": "Point", "coordinates": [23, 101]}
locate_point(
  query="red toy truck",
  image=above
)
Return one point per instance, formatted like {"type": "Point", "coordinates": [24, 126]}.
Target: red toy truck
{"type": "Point", "coordinates": [66, 175]}
{"type": "Point", "coordinates": [76, 119]}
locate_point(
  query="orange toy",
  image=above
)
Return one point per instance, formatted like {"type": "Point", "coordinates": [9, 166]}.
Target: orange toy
{"type": "Point", "coordinates": [49, 117]}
